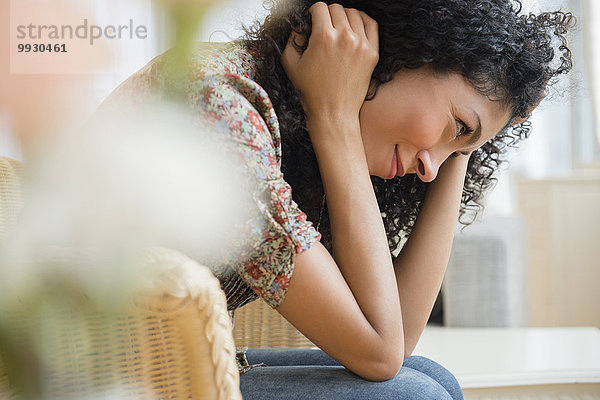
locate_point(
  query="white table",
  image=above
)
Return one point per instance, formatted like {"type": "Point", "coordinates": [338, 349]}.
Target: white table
{"type": "Point", "coordinates": [518, 363]}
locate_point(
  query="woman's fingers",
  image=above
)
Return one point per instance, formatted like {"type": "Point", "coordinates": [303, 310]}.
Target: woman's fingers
{"type": "Point", "coordinates": [334, 16]}
{"type": "Point", "coordinates": [339, 19]}
{"type": "Point", "coordinates": [356, 22]}
{"type": "Point", "coordinates": [321, 20]}
{"type": "Point", "coordinates": [371, 29]}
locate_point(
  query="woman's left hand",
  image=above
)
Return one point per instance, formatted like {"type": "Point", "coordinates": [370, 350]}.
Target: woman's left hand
{"type": "Point", "coordinates": [453, 168]}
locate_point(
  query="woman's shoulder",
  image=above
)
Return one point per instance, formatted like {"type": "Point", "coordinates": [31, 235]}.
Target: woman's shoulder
{"type": "Point", "coordinates": [223, 89]}
{"type": "Point", "coordinates": [206, 59]}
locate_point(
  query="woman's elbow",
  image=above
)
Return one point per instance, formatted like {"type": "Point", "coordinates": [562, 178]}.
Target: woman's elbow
{"type": "Point", "coordinates": [383, 369]}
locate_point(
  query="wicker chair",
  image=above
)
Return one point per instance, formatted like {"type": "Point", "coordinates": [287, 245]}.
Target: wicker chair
{"type": "Point", "coordinates": [172, 342]}
{"type": "Point", "coordinates": [258, 326]}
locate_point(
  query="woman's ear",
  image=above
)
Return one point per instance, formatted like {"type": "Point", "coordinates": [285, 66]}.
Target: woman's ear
{"type": "Point", "coordinates": [372, 90]}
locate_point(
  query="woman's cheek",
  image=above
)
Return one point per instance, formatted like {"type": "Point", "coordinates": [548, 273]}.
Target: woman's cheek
{"type": "Point", "coordinates": [425, 130]}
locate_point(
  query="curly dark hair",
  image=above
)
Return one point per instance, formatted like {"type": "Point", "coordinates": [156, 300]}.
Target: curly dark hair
{"type": "Point", "coordinates": [506, 55]}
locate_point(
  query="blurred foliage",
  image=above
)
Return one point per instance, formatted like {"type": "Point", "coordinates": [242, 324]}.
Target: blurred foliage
{"type": "Point", "coordinates": [186, 15]}
{"type": "Point", "coordinates": [45, 323]}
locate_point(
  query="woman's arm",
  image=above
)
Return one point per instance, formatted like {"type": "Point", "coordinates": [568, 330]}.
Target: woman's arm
{"type": "Point", "coordinates": [421, 264]}
{"type": "Point", "coordinates": [348, 306]}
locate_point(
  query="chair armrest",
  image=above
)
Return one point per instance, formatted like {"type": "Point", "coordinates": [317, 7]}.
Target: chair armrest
{"type": "Point", "coordinates": [189, 293]}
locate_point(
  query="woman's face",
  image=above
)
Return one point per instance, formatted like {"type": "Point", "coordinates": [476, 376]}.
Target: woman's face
{"type": "Point", "coordinates": [419, 119]}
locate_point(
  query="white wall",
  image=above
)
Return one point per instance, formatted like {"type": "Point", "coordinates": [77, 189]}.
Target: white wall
{"type": "Point", "coordinates": [223, 22]}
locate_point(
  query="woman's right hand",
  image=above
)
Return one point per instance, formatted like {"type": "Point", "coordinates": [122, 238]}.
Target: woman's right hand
{"type": "Point", "coordinates": [334, 72]}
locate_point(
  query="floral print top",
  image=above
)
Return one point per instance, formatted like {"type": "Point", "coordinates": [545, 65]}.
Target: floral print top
{"type": "Point", "coordinates": [220, 87]}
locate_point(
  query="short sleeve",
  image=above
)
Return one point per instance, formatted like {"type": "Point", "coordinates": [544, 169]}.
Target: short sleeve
{"type": "Point", "coordinates": [241, 112]}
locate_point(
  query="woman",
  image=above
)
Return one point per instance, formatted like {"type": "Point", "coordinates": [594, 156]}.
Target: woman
{"type": "Point", "coordinates": [359, 123]}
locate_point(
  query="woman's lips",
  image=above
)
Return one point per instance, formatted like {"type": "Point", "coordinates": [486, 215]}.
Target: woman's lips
{"type": "Point", "coordinates": [396, 169]}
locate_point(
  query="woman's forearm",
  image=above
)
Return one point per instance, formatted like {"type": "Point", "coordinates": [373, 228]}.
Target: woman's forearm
{"type": "Point", "coordinates": [359, 239]}
{"type": "Point", "coordinates": [421, 264]}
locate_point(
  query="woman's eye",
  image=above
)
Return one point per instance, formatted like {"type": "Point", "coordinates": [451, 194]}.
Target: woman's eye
{"type": "Point", "coordinates": [462, 128]}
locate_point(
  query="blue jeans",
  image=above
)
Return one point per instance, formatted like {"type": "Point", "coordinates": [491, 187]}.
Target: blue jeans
{"type": "Point", "coordinates": [311, 374]}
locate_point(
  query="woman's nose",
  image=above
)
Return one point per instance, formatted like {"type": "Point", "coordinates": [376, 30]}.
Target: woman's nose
{"type": "Point", "coordinates": [427, 167]}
